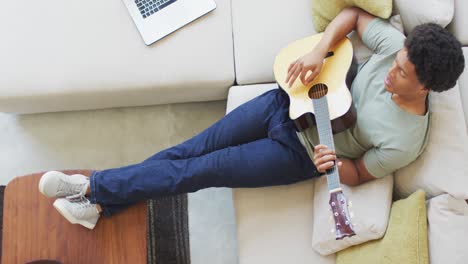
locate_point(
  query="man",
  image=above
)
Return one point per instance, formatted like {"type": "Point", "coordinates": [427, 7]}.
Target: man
{"type": "Point", "coordinates": [392, 126]}
{"type": "Point", "coordinates": [257, 145]}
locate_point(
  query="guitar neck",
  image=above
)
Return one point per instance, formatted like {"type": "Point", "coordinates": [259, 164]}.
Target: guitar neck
{"type": "Point", "coordinates": [322, 118]}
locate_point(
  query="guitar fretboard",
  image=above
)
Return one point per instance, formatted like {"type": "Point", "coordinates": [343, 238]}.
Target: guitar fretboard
{"type": "Point", "coordinates": [322, 117]}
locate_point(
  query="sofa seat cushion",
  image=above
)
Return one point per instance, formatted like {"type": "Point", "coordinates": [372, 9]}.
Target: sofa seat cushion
{"type": "Point", "coordinates": [274, 224]}
{"type": "Point", "coordinates": [261, 29]}
{"type": "Point", "coordinates": [242, 93]}
{"type": "Point", "coordinates": [58, 56]}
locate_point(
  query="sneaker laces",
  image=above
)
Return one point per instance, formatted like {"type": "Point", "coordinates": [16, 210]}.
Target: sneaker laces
{"type": "Point", "coordinates": [81, 204]}
{"type": "Point", "coordinates": [67, 187]}
{"type": "Point", "coordinates": [76, 198]}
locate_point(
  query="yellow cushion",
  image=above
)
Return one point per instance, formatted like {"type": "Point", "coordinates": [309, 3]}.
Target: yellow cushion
{"type": "Point", "coordinates": [405, 240]}
{"type": "Point", "coordinates": [323, 11]}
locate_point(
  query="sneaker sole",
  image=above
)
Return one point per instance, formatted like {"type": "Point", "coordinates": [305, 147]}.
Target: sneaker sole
{"type": "Point", "coordinates": [71, 218]}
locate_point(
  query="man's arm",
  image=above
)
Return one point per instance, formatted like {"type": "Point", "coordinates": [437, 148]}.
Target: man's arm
{"type": "Point", "coordinates": [352, 172]}
{"type": "Point", "coordinates": [346, 21]}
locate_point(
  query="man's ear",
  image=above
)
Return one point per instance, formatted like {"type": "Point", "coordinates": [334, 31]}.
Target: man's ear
{"type": "Point", "coordinates": [423, 90]}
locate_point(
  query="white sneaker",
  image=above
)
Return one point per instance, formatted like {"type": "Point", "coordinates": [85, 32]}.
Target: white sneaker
{"type": "Point", "coordinates": [58, 184]}
{"type": "Point", "coordinates": [78, 210]}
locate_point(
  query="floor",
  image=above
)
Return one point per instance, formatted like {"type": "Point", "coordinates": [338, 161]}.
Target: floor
{"type": "Point", "coordinates": [101, 139]}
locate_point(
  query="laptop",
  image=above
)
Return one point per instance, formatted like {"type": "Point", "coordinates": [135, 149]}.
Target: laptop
{"type": "Point", "coordinates": [156, 19]}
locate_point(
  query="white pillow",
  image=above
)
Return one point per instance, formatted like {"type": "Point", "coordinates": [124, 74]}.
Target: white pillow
{"type": "Point", "coordinates": [371, 203]}
{"type": "Point", "coordinates": [447, 229]}
{"type": "Point", "coordinates": [442, 167]}
{"type": "Point", "coordinates": [416, 12]}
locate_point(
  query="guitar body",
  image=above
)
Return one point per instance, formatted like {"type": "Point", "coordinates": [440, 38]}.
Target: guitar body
{"type": "Point", "coordinates": [325, 102]}
{"type": "Point", "coordinates": [334, 74]}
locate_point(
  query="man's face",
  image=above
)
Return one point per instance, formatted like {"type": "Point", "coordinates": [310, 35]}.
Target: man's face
{"type": "Point", "coordinates": [401, 78]}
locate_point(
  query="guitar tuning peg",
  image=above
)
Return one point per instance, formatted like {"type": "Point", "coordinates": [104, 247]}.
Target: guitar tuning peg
{"type": "Point", "coordinates": [332, 230]}
{"type": "Point", "coordinates": [350, 204]}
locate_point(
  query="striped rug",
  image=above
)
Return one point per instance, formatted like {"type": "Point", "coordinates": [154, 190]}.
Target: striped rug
{"type": "Point", "coordinates": [168, 230]}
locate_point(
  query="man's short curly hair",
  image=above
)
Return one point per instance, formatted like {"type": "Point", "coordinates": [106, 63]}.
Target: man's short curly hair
{"type": "Point", "coordinates": [437, 56]}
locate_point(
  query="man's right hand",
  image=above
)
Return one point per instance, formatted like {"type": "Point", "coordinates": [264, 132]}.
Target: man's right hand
{"type": "Point", "coordinates": [311, 61]}
{"type": "Point", "coordinates": [324, 158]}
{"type": "Point", "coordinates": [348, 19]}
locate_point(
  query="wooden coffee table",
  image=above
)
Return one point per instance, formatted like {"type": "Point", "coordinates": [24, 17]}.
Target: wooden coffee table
{"type": "Point", "coordinates": [33, 229]}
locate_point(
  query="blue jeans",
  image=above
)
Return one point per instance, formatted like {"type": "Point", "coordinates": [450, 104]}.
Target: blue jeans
{"type": "Point", "coordinates": [255, 145]}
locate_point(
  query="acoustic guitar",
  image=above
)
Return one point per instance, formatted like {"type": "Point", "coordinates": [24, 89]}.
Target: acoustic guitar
{"type": "Point", "coordinates": [325, 102]}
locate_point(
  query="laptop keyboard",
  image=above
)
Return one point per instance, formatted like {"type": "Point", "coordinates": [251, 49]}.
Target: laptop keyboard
{"type": "Point", "coordinates": [149, 7]}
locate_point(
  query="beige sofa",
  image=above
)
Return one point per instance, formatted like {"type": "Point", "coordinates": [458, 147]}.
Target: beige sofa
{"type": "Point", "coordinates": [57, 56]}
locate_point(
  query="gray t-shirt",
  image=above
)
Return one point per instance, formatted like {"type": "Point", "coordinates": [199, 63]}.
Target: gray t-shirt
{"type": "Point", "coordinates": [387, 136]}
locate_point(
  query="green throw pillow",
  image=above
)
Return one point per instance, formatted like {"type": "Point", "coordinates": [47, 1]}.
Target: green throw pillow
{"type": "Point", "coordinates": [324, 11]}
{"type": "Point", "coordinates": [405, 240]}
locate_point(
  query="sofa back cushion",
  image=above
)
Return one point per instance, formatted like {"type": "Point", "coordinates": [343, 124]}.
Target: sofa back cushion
{"type": "Point", "coordinates": [261, 29]}
{"type": "Point", "coordinates": [460, 20]}
{"type": "Point", "coordinates": [463, 82]}
{"type": "Point", "coordinates": [441, 168]}
{"type": "Point", "coordinates": [82, 57]}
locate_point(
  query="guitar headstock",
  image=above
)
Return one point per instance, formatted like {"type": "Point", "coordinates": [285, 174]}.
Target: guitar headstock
{"type": "Point", "coordinates": [339, 207]}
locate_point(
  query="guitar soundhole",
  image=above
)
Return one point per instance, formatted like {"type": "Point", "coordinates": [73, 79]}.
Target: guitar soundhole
{"type": "Point", "coordinates": [317, 91]}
